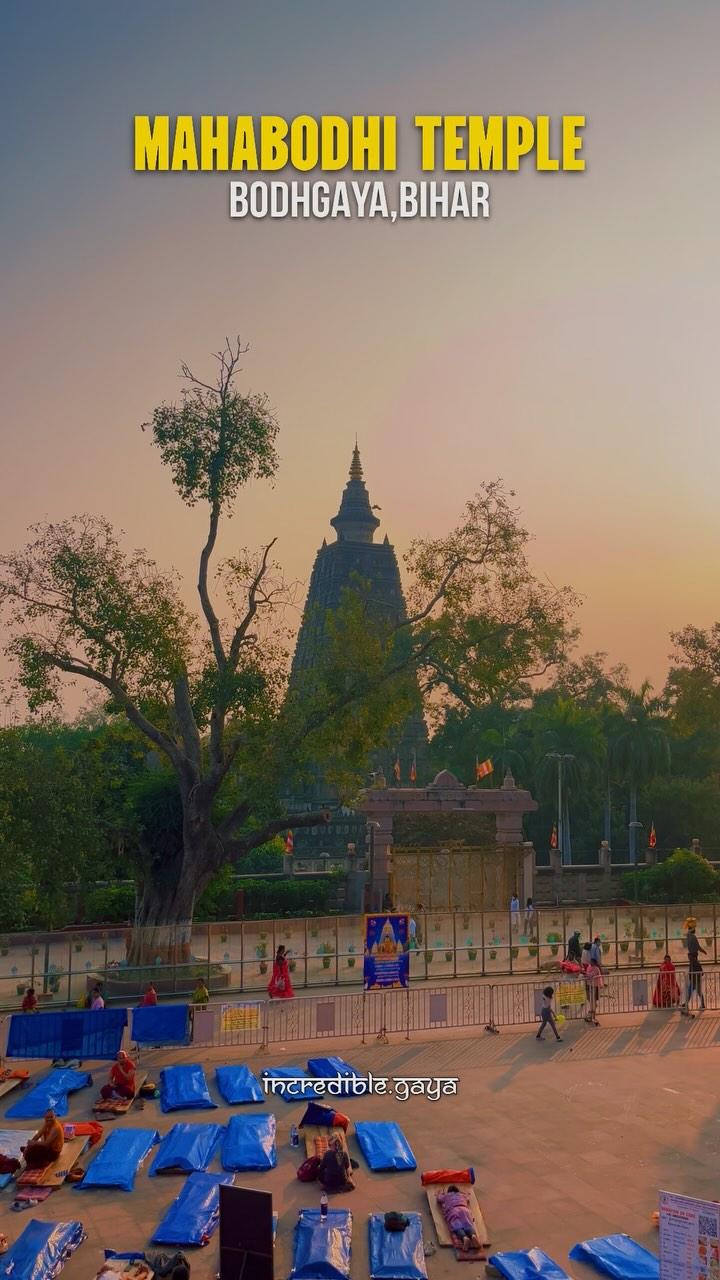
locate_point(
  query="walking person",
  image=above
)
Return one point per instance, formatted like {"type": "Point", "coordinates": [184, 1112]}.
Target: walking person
{"type": "Point", "coordinates": [515, 913]}
{"type": "Point", "coordinates": [547, 1017]}
{"type": "Point", "coordinates": [695, 972]}
{"type": "Point", "coordinates": [593, 986]}
{"type": "Point", "coordinates": [596, 951]}
{"type": "Point", "coordinates": [529, 918]}
{"type": "Point", "coordinates": [574, 948]}
{"type": "Point", "coordinates": [280, 986]}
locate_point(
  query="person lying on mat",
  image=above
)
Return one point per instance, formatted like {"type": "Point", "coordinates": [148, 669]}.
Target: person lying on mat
{"type": "Point", "coordinates": [47, 1144]}
{"type": "Point", "coordinates": [455, 1207]}
{"type": "Point", "coordinates": [334, 1171]}
{"type": "Point", "coordinates": [121, 1082]}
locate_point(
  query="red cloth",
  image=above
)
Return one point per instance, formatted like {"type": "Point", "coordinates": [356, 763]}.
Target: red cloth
{"type": "Point", "coordinates": [667, 991]}
{"type": "Point", "coordinates": [29, 1004]}
{"type": "Point", "coordinates": [447, 1175]}
{"type": "Point", "coordinates": [150, 997]}
{"type": "Point", "coordinates": [280, 986]}
{"type": "Point", "coordinates": [569, 966]}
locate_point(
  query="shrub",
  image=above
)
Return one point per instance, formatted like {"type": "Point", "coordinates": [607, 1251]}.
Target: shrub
{"type": "Point", "coordinates": [287, 898]}
{"type": "Point", "coordinates": [683, 877]}
{"type": "Point", "coordinates": [114, 904]}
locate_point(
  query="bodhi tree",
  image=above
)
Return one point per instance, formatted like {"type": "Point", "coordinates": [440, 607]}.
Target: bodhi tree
{"type": "Point", "coordinates": [207, 689]}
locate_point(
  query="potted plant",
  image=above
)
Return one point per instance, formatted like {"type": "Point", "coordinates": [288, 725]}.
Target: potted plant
{"type": "Point", "coordinates": [554, 940]}
{"type": "Point", "coordinates": [263, 966]}
{"type": "Point", "coordinates": [606, 947]}
{"type": "Point", "coordinates": [224, 937]}
{"type": "Point", "coordinates": [20, 988]}
{"type": "Point", "coordinates": [514, 952]}
{"type": "Point", "coordinates": [532, 951]}
{"type": "Point", "coordinates": [351, 956]}
{"type": "Point", "coordinates": [429, 956]}
{"type": "Point", "coordinates": [466, 922]}
{"type": "Point", "coordinates": [628, 931]}
{"type": "Point", "coordinates": [493, 955]}
{"type": "Point", "coordinates": [314, 932]}
{"type": "Point", "coordinates": [326, 950]}
{"type": "Point", "coordinates": [291, 965]}
{"type": "Point", "coordinates": [261, 950]}
{"type": "Point", "coordinates": [659, 944]}
{"type": "Point", "coordinates": [78, 946]}
{"type": "Point", "coordinates": [448, 956]}
{"type": "Point", "coordinates": [4, 946]}
{"type": "Point", "coordinates": [471, 950]}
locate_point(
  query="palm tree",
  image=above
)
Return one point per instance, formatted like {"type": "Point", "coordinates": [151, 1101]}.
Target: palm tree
{"type": "Point", "coordinates": [640, 748]}
{"type": "Point", "coordinates": [574, 732]}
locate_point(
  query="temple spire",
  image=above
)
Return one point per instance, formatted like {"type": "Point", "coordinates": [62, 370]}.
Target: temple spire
{"type": "Point", "coordinates": [355, 521]}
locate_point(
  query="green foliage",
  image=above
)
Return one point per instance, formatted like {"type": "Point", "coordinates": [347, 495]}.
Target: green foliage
{"type": "Point", "coordinates": [683, 877]}
{"type": "Point", "coordinates": [268, 859]}
{"type": "Point", "coordinates": [112, 904]}
{"type": "Point", "coordinates": [217, 901]}
{"type": "Point", "coordinates": [287, 898]}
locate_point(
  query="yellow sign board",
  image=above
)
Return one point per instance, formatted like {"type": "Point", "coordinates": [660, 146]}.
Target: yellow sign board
{"type": "Point", "coordinates": [239, 1017]}
{"type": "Point", "coordinates": [570, 993]}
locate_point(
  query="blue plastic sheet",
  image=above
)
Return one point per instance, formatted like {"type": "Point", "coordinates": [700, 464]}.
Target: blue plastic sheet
{"type": "Point", "coordinates": [618, 1256]}
{"type": "Point", "coordinates": [321, 1250]}
{"type": "Point", "coordinates": [42, 1249]}
{"type": "Point", "coordinates": [237, 1084]}
{"type": "Point", "coordinates": [384, 1145]}
{"type": "Point", "coordinates": [119, 1159]}
{"type": "Point", "coordinates": [528, 1264]}
{"type": "Point", "coordinates": [249, 1142]}
{"type": "Point", "coordinates": [161, 1024]}
{"type": "Point", "coordinates": [396, 1255]}
{"type": "Point", "coordinates": [195, 1213]}
{"type": "Point", "coordinates": [77, 1033]}
{"type": "Point", "coordinates": [294, 1084]}
{"type": "Point", "coordinates": [187, 1147]}
{"type": "Point", "coordinates": [49, 1094]}
{"type": "Point", "coordinates": [183, 1088]}
{"type": "Point", "coordinates": [343, 1080]}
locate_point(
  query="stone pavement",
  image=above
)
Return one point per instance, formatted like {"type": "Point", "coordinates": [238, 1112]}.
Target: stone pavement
{"type": "Point", "coordinates": [567, 1141]}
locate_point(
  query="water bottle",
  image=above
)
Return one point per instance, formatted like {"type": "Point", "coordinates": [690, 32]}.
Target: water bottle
{"type": "Point", "coordinates": [294, 1137]}
{"type": "Point", "coordinates": [323, 1206]}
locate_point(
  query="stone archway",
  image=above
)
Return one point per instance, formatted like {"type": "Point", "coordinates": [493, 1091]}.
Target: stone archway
{"type": "Point", "coordinates": [382, 805]}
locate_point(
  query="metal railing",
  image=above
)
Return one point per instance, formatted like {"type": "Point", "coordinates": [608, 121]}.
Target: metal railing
{"type": "Point", "coordinates": [377, 1015]}
{"type": "Point", "coordinates": [237, 956]}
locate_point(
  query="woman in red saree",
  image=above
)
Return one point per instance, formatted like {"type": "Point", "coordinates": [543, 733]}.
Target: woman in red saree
{"type": "Point", "coordinates": [667, 991]}
{"type": "Point", "coordinates": [280, 986]}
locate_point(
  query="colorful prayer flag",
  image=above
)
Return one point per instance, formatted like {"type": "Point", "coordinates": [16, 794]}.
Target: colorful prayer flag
{"type": "Point", "coordinates": [413, 768]}
{"type": "Point", "coordinates": [652, 839]}
{"type": "Point", "coordinates": [396, 769]}
{"type": "Point", "coordinates": [482, 768]}
{"type": "Point", "coordinates": [553, 837]}
{"type": "Point", "coordinates": [289, 843]}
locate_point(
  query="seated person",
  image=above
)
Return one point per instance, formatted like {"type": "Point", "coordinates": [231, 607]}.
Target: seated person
{"type": "Point", "coordinates": [200, 995]}
{"type": "Point", "coordinates": [30, 1001]}
{"type": "Point", "coordinates": [47, 1145]}
{"type": "Point", "coordinates": [334, 1172]}
{"type": "Point", "coordinates": [150, 997]}
{"type": "Point", "coordinates": [121, 1083]}
{"type": "Point", "coordinates": [456, 1212]}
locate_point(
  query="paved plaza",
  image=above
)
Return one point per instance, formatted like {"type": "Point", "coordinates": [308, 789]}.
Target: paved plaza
{"type": "Point", "coordinates": [568, 1140]}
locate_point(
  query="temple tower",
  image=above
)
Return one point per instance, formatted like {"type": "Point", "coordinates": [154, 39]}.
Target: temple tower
{"type": "Point", "coordinates": [352, 554]}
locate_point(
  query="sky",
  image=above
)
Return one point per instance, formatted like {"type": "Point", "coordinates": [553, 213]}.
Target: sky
{"type": "Point", "coordinates": [566, 344]}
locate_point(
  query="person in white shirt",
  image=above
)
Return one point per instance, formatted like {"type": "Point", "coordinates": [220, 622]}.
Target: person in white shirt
{"type": "Point", "coordinates": [515, 912]}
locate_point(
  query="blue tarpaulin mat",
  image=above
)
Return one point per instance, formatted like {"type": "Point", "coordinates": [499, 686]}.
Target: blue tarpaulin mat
{"type": "Point", "coordinates": [618, 1256]}
{"type": "Point", "coordinates": [384, 1145]}
{"type": "Point", "coordinates": [238, 1085]}
{"type": "Point", "coordinates": [49, 1094]}
{"type": "Point", "coordinates": [119, 1159]}
{"type": "Point", "coordinates": [42, 1249]}
{"type": "Point", "coordinates": [293, 1084]}
{"type": "Point", "coordinates": [77, 1033]}
{"type": "Point", "coordinates": [396, 1255]}
{"type": "Point", "coordinates": [249, 1142]}
{"type": "Point", "coordinates": [161, 1024]}
{"type": "Point", "coordinates": [187, 1147]}
{"type": "Point", "coordinates": [345, 1080]}
{"type": "Point", "coordinates": [184, 1087]}
{"type": "Point", "coordinates": [528, 1264]}
{"type": "Point", "coordinates": [195, 1213]}
{"type": "Point", "coordinates": [321, 1249]}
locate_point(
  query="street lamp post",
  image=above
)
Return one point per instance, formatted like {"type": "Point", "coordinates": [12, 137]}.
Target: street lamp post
{"type": "Point", "coordinates": [561, 758]}
{"type": "Point", "coordinates": [371, 826]}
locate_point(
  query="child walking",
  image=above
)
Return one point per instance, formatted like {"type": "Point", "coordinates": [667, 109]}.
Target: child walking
{"type": "Point", "coordinates": [547, 1017]}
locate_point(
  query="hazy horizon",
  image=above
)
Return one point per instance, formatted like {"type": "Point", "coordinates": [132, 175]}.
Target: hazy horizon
{"type": "Point", "coordinates": [564, 345]}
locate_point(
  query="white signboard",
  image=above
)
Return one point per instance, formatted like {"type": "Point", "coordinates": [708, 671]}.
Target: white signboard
{"type": "Point", "coordinates": [689, 1238]}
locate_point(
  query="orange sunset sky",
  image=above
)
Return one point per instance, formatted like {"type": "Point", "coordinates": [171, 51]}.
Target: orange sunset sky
{"type": "Point", "coordinates": [567, 344]}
